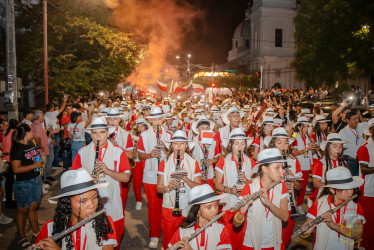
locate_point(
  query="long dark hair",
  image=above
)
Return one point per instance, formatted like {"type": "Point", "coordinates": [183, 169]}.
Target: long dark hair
{"type": "Point", "coordinates": [19, 134]}
{"type": "Point", "coordinates": [61, 221]}
{"type": "Point", "coordinates": [318, 132]}
{"type": "Point", "coordinates": [229, 146]}
{"type": "Point", "coordinates": [192, 217]}
{"type": "Point", "coordinates": [13, 124]}
{"type": "Point", "coordinates": [327, 158]}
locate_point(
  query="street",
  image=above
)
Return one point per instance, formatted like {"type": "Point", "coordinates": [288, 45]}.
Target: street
{"type": "Point", "coordinates": [136, 224]}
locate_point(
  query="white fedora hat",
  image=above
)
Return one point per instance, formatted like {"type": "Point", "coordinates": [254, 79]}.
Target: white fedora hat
{"type": "Point", "coordinates": [370, 124]}
{"type": "Point", "coordinates": [341, 178]}
{"type": "Point", "coordinates": [113, 113]}
{"type": "Point", "coordinates": [179, 135]}
{"type": "Point", "coordinates": [202, 118]}
{"type": "Point", "coordinates": [269, 155]}
{"type": "Point", "coordinates": [184, 111]}
{"type": "Point", "coordinates": [155, 113]}
{"type": "Point", "coordinates": [306, 112]}
{"type": "Point", "coordinates": [141, 121]}
{"type": "Point", "coordinates": [238, 134]}
{"type": "Point", "coordinates": [75, 182]}
{"type": "Point", "coordinates": [146, 106]}
{"type": "Point", "coordinates": [270, 111]}
{"type": "Point", "coordinates": [269, 120]}
{"type": "Point", "coordinates": [229, 111]}
{"type": "Point", "coordinates": [302, 120]}
{"type": "Point", "coordinates": [168, 116]}
{"type": "Point", "coordinates": [331, 138]}
{"type": "Point", "coordinates": [278, 133]}
{"type": "Point", "coordinates": [214, 109]}
{"type": "Point", "coordinates": [321, 118]}
{"type": "Point", "coordinates": [246, 108]}
{"type": "Point", "coordinates": [99, 123]}
{"type": "Point", "coordinates": [199, 195]}
{"type": "Point", "coordinates": [104, 111]}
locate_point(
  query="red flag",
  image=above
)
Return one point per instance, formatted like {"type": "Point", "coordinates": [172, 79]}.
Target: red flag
{"type": "Point", "coordinates": [162, 86]}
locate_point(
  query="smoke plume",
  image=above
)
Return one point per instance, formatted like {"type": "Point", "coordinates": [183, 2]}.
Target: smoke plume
{"type": "Point", "coordinates": [162, 25]}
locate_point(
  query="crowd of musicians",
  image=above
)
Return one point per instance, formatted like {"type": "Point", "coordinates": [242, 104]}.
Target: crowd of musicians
{"type": "Point", "coordinates": [244, 165]}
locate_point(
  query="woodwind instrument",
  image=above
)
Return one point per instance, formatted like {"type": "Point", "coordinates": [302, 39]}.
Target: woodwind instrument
{"type": "Point", "coordinates": [136, 157]}
{"type": "Point", "coordinates": [259, 114]}
{"type": "Point", "coordinates": [290, 192]}
{"type": "Point", "coordinates": [100, 176]}
{"type": "Point", "coordinates": [204, 163]}
{"type": "Point", "coordinates": [239, 184]}
{"type": "Point", "coordinates": [314, 150]}
{"type": "Point", "coordinates": [177, 211]}
{"type": "Point", "coordinates": [254, 196]}
{"type": "Point", "coordinates": [158, 144]}
{"type": "Point", "coordinates": [200, 230]}
{"type": "Point", "coordinates": [319, 219]}
{"type": "Point", "coordinates": [75, 227]}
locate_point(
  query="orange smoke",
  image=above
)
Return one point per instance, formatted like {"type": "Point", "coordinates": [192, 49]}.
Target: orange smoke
{"type": "Point", "coordinates": [162, 24]}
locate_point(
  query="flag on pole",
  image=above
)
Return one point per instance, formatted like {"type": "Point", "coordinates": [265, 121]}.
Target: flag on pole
{"type": "Point", "coordinates": [162, 86]}
{"type": "Point", "coordinates": [198, 88]}
{"type": "Point", "coordinates": [187, 88]}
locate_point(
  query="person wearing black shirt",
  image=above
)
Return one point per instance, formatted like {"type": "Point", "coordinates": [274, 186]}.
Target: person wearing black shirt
{"type": "Point", "coordinates": [28, 185]}
{"type": "Point", "coordinates": [338, 116]}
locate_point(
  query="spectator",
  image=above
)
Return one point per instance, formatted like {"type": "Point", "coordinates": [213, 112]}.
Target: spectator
{"type": "Point", "coordinates": [76, 130]}
{"type": "Point", "coordinates": [9, 174]}
{"type": "Point", "coordinates": [28, 117]}
{"type": "Point", "coordinates": [65, 120]}
{"type": "Point", "coordinates": [28, 185]}
{"type": "Point", "coordinates": [339, 116]}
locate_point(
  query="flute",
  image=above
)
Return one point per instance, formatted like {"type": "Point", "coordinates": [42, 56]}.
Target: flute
{"type": "Point", "coordinates": [319, 218]}
{"type": "Point", "coordinates": [199, 231]}
{"type": "Point", "coordinates": [75, 227]}
{"type": "Point", "coordinates": [254, 196]}
{"type": "Point", "coordinates": [290, 192]}
{"type": "Point", "coordinates": [177, 211]}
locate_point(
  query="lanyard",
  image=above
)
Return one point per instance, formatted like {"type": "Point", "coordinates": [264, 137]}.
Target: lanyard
{"type": "Point", "coordinates": [271, 199]}
{"type": "Point", "coordinates": [324, 136]}
{"type": "Point", "coordinates": [78, 240]}
{"type": "Point", "coordinates": [304, 140]}
{"type": "Point", "coordinates": [337, 216]}
{"type": "Point", "coordinates": [102, 153]}
{"type": "Point", "coordinates": [115, 134]}
{"type": "Point", "coordinates": [204, 242]}
{"type": "Point", "coordinates": [355, 133]}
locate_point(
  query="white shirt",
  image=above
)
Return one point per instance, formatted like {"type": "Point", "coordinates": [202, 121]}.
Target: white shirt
{"type": "Point", "coordinates": [52, 116]}
{"type": "Point", "coordinates": [354, 139]}
{"type": "Point", "coordinates": [79, 131]}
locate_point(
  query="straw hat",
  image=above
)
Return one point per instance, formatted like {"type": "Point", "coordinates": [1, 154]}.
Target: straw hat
{"type": "Point", "coordinates": [199, 195]}
{"type": "Point", "coordinates": [341, 178]}
{"type": "Point", "coordinates": [278, 133]}
{"type": "Point", "coordinates": [269, 155]}
{"type": "Point", "coordinates": [370, 124]}
{"type": "Point", "coordinates": [113, 113]}
{"type": "Point", "coordinates": [75, 182]}
{"type": "Point", "coordinates": [331, 138]}
{"type": "Point", "coordinates": [179, 135]}
{"type": "Point", "coordinates": [228, 112]}
{"type": "Point", "coordinates": [238, 134]}
{"type": "Point", "coordinates": [201, 119]}
{"type": "Point", "coordinates": [155, 113]}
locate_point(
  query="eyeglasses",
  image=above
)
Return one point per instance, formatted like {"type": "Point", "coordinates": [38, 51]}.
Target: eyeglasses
{"type": "Point", "coordinates": [235, 116]}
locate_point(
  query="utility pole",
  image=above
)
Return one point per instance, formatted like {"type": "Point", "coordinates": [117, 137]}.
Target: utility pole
{"type": "Point", "coordinates": [45, 41]}
{"type": "Point", "coordinates": [11, 68]}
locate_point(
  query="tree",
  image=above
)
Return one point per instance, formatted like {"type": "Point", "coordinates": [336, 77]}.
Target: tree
{"type": "Point", "coordinates": [84, 55]}
{"type": "Point", "coordinates": [334, 40]}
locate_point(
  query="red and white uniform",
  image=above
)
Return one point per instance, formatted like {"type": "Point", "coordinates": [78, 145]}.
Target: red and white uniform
{"type": "Point", "coordinates": [215, 236]}
{"type": "Point", "coordinates": [366, 156]}
{"type": "Point", "coordinates": [79, 236]}
{"type": "Point", "coordinates": [328, 239]}
{"type": "Point", "coordinates": [221, 137]}
{"type": "Point", "coordinates": [260, 221]}
{"type": "Point", "coordinates": [170, 223]}
{"type": "Point", "coordinates": [320, 170]}
{"type": "Point", "coordinates": [258, 142]}
{"type": "Point", "coordinates": [115, 160]}
{"type": "Point", "coordinates": [137, 175]}
{"type": "Point", "coordinates": [147, 142]}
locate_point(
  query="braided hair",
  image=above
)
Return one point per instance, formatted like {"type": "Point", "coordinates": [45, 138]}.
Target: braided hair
{"type": "Point", "coordinates": [61, 221]}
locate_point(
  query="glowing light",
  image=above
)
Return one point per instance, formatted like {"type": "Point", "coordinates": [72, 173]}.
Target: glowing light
{"type": "Point", "coordinates": [210, 74]}
{"type": "Point", "coordinates": [179, 97]}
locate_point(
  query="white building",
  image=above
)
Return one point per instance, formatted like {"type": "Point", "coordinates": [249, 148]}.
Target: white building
{"type": "Point", "coordinates": [265, 38]}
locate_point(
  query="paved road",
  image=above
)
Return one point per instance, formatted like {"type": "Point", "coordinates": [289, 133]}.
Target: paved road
{"type": "Point", "coordinates": [136, 224]}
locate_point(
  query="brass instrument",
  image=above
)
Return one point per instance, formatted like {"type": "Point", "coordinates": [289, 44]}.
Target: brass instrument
{"type": "Point", "coordinates": [239, 184]}
{"type": "Point", "coordinates": [177, 211]}
{"type": "Point", "coordinates": [319, 219]}
{"type": "Point", "coordinates": [290, 192]}
{"type": "Point", "coordinates": [253, 196]}
{"type": "Point", "coordinates": [204, 162]}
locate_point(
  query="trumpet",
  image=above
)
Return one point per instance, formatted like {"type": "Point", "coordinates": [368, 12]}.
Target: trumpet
{"type": "Point", "coordinates": [177, 211]}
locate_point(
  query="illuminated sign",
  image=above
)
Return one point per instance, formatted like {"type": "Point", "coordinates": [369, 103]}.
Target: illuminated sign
{"type": "Point", "coordinates": [210, 74]}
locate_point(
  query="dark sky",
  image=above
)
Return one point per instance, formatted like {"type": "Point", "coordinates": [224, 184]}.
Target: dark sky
{"type": "Point", "coordinates": [211, 40]}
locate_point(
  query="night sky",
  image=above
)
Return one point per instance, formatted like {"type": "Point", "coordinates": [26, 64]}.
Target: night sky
{"type": "Point", "coordinates": [212, 38]}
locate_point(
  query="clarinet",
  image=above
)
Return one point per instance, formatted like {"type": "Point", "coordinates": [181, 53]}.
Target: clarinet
{"type": "Point", "coordinates": [239, 183]}
{"type": "Point", "coordinates": [314, 150]}
{"type": "Point", "coordinates": [319, 219]}
{"type": "Point", "coordinates": [290, 192]}
{"type": "Point", "coordinates": [177, 211]}
{"type": "Point", "coordinates": [204, 164]}
{"type": "Point", "coordinates": [200, 230]}
{"type": "Point", "coordinates": [158, 144]}
{"type": "Point", "coordinates": [253, 196]}
{"type": "Point", "coordinates": [97, 152]}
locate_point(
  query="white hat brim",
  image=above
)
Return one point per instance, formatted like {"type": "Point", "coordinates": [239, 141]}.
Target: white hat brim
{"type": "Point", "coordinates": [113, 116]}
{"type": "Point", "coordinates": [268, 139]}
{"type": "Point", "coordinates": [324, 143]}
{"type": "Point", "coordinates": [190, 143]}
{"type": "Point", "coordinates": [249, 140]}
{"type": "Point", "coordinates": [156, 116]}
{"type": "Point", "coordinates": [194, 125]}
{"type": "Point", "coordinates": [79, 191]}
{"type": "Point", "coordinates": [357, 182]}
{"type": "Point", "coordinates": [186, 210]}
{"type": "Point", "coordinates": [255, 168]}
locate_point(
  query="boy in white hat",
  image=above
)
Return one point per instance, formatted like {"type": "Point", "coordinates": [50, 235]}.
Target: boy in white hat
{"type": "Point", "coordinates": [232, 172]}
{"type": "Point", "coordinates": [366, 160]}
{"type": "Point", "coordinates": [199, 149]}
{"type": "Point", "coordinates": [113, 162]}
{"type": "Point", "coordinates": [148, 151]}
{"type": "Point", "coordinates": [264, 215]}
{"type": "Point", "coordinates": [78, 200]}
{"type": "Point", "coordinates": [203, 205]}
{"type": "Point", "coordinates": [169, 186]}
{"type": "Point", "coordinates": [341, 229]}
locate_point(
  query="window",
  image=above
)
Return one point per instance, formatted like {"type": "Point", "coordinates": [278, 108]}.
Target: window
{"type": "Point", "coordinates": [247, 43]}
{"type": "Point", "coordinates": [278, 37]}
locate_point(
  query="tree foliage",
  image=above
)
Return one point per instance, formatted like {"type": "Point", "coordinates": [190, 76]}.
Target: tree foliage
{"type": "Point", "coordinates": [84, 55]}
{"type": "Point", "coordinates": [334, 40]}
